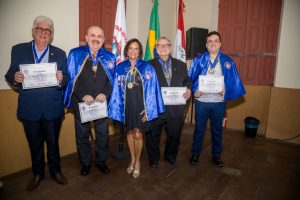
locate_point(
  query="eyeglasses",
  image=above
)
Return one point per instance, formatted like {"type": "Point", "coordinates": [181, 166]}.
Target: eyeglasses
{"type": "Point", "coordinates": [41, 30]}
{"type": "Point", "coordinates": [161, 46]}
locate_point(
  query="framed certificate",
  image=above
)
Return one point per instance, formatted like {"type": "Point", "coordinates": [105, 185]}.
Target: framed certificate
{"type": "Point", "coordinates": [211, 84]}
{"type": "Point", "coordinates": [92, 112]}
{"type": "Point", "coordinates": [39, 75]}
{"type": "Point", "coordinates": [173, 95]}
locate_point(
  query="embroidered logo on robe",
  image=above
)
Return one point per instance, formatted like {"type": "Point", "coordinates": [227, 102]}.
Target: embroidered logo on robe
{"type": "Point", "coordinates": [227, 65]}
{"type": "Point", "coordinates": [121, 80]}
{"type": "Point", "coordinates": [148, 75]}
{"type": "Point", "coordinates": [110, 65]}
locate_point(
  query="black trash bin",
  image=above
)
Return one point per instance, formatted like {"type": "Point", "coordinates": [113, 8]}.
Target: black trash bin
{"type": "Point", "coordinates": [251, 125]}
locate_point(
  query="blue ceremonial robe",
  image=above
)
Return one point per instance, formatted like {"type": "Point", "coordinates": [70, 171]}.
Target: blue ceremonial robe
{"type": "Point", "coordinates": [152, 95]}
{"type": "Point", "coordinates": [233, 85]}
{"type": "Point", "coordinates": [76, 60]}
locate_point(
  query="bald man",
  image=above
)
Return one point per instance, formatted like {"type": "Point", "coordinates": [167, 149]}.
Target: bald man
{"type": "Point", "coordinates": [91, 68]}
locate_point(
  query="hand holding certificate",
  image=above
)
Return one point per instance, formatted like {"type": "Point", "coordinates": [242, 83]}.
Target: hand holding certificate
{"type": "Point", "coordinates": [92, 112]}
{"type": "Point", "coordinates": [39, 75]}
{"type": "Point", "coordinates": [211, 84]}
{"type": "Point", "coordinates": [173, 95]}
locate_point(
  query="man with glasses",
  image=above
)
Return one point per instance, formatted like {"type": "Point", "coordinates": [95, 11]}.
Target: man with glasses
{"type": "Point", "coordinates": [171, 72]}
{"type": "Point", "coordinates": [41, 109]}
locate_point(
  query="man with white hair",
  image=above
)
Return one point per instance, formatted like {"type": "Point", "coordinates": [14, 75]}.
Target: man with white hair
{"type": "Point", "coordinates": [41, 110]}
{"type": "Point", "coordinates": [171, 72]}
{"type": "Point", "coordinates": [91, 69]}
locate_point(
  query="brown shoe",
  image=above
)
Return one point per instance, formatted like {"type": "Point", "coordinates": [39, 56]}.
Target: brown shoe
{"type": "Point", "coordinates": [34, 182]}
{"type": "Point", "coordinates": [60, 179]}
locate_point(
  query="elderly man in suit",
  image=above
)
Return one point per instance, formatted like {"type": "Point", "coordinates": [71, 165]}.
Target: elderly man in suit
{"type": "Point", "coordinates": [41, 109]}
{"type": "Point", "coordinates": [171, 72]}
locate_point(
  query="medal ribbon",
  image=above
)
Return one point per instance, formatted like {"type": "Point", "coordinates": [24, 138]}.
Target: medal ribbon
{"type": "Point", "coordinates": [94, 58]}
{"type": "Point", "coordinates": [165, 65]}
{"type": "Point", "coordinates": [213, 65]}
{"type": "Point", "coordinates": [36, 58]}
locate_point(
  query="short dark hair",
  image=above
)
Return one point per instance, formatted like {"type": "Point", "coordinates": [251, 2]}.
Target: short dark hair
{"type": "Point", "coordinates": [126, 48]}
{"type": "Point", "coordinates": [213, 33]}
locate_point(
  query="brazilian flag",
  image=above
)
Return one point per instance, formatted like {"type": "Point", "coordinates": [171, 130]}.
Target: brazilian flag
{"type": "Point", "coordinates": [154, 32]}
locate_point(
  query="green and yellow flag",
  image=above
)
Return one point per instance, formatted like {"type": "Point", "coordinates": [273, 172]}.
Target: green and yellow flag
{"type": "Point", "coordinates": [154, 32]}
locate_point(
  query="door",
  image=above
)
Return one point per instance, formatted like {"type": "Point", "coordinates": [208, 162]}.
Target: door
{"type": "Point", "coordinates": [100, 13]}
{"type": "Point", "coordinates": [249, 30]}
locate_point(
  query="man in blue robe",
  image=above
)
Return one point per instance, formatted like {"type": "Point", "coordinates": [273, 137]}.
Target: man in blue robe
{"type": "Point", "coordinates": [91, 68]}
{"type": "Point", "coordinates": [212, 105]}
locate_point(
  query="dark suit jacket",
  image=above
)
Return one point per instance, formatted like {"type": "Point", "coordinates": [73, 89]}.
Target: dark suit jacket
{"type": "Point", "coordinates": [35, 103]}
{"type": "Point", "coordinates": [89, 83]}
{"type": "Point", "coordinates": [179, 79]}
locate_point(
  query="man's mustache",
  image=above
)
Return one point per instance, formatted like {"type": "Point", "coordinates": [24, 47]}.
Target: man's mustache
{"type": "Point", "coordinates": [96, 41]}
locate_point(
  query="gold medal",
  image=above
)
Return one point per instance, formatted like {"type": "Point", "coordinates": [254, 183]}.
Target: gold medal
{"type": "Point", "coordinates": [130, 85]}
{"type": "Point", "coordinates": [94, 68]}
{"type": "Point", "coordinates": [211, 71]}
{"type": "Point", "coordinates": [167, 75]}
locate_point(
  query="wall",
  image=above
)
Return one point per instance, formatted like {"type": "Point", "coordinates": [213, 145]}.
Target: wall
{"type": "Point", "coordinates": [284, 115]}
{"type": "Point", "coordinates": [16, 18]}
{"type": "Point", "coordinates": [288, 69]}
{"type": "Point", "coordinates": [168, 11]}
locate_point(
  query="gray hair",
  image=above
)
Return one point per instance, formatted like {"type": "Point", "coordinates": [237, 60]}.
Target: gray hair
{"type": "Point", "coordinates": [164, 38]}
{"type": "Point", "coordinates": [44, 19]}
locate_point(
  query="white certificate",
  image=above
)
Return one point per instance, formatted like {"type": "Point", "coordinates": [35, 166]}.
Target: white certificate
{"type": "Point", "coordinates": [39, 75]}
{"type": "Point", "coordinates": [92, 112]}
{"type": "Point", "coordinates": [173, 95]}
{"type": "Point", "coordinates": [211, 84]}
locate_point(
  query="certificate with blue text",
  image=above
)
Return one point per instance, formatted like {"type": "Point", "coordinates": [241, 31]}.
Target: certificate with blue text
{"type": "Point", "coordinates": [173, 95]}
{"type": "Point", "coordinates": [211, 84]}
{"type": "Point", "coordinates": [93, 111]}
{"type": "Point", "coordinates": [39, 75]}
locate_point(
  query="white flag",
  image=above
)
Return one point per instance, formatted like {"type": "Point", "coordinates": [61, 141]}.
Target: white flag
{"type": "Point", "coordinates": [120, 35]}
{"type": "Point", "coordinates": [179, 48]}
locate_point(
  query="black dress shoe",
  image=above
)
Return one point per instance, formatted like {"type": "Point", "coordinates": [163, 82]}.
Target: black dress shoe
{"type": "Point", "coordinates": [34, 182]}
{"type": "Point", "coordinates": [103, 168]}
{"type": "Point", "coordinates": [170, 161]}
{"type": "Point", "coordinates": [217, 161]}
{"type": "Point", "coordinates": [60, 179]}
{"type": "Point", "coordinates": [153, 164]}
{"type": "Point", "coordinates": [85, 170]}
{"type": "Point", "coordinates": [194, 159]}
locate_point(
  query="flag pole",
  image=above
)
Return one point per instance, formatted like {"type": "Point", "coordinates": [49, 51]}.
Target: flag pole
{"type": "Point", "coordinates": [119, 42]}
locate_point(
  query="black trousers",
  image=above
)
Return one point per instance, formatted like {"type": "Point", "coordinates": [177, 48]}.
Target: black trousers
{"type": "Point", "coordinates": [38, 132]}
{"type": "Point", "coordinates": [82, 131]}
{"type": "Point", "coordinates": [173, 129]}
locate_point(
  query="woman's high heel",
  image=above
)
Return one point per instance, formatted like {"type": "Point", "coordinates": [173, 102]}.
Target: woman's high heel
{"type": "Point", "coordinates": [136, 173]}
{"type": "Point", "coordinates": [130, 169]}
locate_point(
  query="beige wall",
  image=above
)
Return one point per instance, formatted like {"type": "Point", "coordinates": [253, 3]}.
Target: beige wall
{"type": "Point", "coordinates": [284, 115]}
{"type": "Point", "coordinates": [16, 18]}
{"type": "Point", "coordinates": [288, 67]}
{"type": "Point", "coordinates": [197, 13]}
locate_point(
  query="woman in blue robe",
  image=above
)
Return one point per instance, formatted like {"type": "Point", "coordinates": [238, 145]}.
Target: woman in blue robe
{"type": "Point", "coordinates": [135, 100]}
